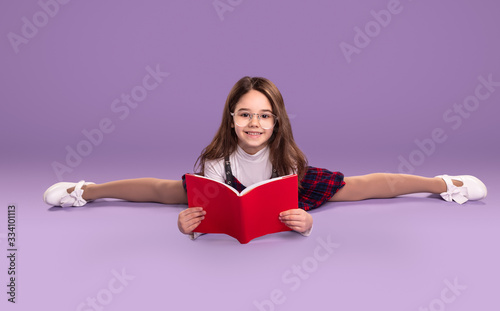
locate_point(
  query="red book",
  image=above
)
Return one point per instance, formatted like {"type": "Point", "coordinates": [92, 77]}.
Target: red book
{"type": "Point", "coordinates": [247, 215]}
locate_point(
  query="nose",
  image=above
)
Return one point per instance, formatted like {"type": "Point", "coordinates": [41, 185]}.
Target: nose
{"type": "Point", "coordinates": [254, 121]}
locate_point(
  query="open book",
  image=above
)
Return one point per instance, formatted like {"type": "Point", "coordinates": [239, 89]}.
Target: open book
{"type": "Point", "coordinates": [247, 215]}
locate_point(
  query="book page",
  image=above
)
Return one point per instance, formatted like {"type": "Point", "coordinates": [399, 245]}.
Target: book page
{"type": "Point", "coordinates": [253, 186]}
{"type": "Point", "coordinates": [221, 183]}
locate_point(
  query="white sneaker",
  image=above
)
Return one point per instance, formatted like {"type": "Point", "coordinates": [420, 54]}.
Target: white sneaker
{"type": "Point", "coordinates": [57, 194]}
{"type": "Point", "coordinates": [472, 189]}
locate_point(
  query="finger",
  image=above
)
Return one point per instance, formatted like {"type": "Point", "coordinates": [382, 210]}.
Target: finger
{"type": "Point", "coordinates": [195, 214]}
{"type": "Point", "coordinates": [189, 226]}
{"type": "Point", "coordinates": [295, 211]}
{"type": "Point", "coordinates": [194, 210]}
{"type": "Point", "coordinates": [191, 215]}
{"type": "Point", "coordinates": [293, 217]}
{"type": "Point", "coordinates": [193, 226]}
{"type": "Point", "coordinates": [293, 223]}
{"type": "Point", "coordinates": [191, 210]}
{"type": "Point", "coordinates": [192, 218]}
{"type": "Point", "coordinates": [184, 213]}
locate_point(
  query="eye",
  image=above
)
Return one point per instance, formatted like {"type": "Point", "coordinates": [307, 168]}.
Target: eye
{"type": "Point", "coordinates": [266, 116]}
{"type": "Point", "coordinates": [244, 114]}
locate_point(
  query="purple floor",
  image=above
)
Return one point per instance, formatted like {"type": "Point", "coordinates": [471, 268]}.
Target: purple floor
{"type": "Point", "coordinates": [126, 89]}
{"type": "Point", "coordinates": [398, 254]}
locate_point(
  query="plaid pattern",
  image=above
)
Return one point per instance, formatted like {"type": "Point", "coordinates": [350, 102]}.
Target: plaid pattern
{"type": "Point", "coordinates": [235, 183]}
{"type": "Point", "coordinates": [318, 186]}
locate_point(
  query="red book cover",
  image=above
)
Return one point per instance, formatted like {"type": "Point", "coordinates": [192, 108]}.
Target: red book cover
{"type": "Point", "coordinates": [247, 215]}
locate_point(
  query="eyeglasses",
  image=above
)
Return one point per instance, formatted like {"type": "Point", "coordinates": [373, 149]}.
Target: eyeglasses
{"type": "Point", "coordinates": [243, 118]}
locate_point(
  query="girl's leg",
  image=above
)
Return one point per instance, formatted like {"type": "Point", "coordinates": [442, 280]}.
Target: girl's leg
{"type": "Point", "coordinates": [137, 190]}
{"type": "Point", "coordinates": [387, 185]}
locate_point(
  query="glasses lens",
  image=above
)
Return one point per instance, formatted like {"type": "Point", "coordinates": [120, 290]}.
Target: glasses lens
{"type": "Point", "coordinates": [266, 120]}
{"type": "Point", "coordinates": [242, 118]}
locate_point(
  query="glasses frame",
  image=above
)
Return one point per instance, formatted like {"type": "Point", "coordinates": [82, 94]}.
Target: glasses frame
{"type": "Point", "coordinates": [258, 118]}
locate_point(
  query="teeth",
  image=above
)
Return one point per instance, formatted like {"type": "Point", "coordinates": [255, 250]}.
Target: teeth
{"type": "Point", "coordinates": [254, 134]}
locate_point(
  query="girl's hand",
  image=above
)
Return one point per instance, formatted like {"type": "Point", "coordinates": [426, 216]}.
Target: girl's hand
{"type": "Point", "coordinates": [297, 219]}
{"type": "Point", "coordinates": [190, 218]}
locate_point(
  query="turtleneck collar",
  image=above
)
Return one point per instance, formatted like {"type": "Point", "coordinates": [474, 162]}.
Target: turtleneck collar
{"type": "Point", "coordinates": [262, 154]}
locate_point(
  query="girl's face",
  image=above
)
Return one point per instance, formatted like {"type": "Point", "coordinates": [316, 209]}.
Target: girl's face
{"type": "Point", "coordinates": [252, 137]}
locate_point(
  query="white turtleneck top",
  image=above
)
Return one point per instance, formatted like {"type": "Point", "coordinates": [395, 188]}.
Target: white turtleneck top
{"type": "Point", "coordinates": [247, 168]}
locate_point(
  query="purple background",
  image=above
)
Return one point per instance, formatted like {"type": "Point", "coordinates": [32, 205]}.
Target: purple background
{"type": "Point", "coordinates": [358, 117]}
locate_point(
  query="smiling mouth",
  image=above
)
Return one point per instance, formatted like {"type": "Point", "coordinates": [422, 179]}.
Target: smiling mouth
{"type": "Point", "coordinates": [253, 133]}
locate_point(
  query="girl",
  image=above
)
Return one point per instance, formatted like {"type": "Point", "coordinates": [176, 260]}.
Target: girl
{"type": "Point", "coordinates": [255, 142]}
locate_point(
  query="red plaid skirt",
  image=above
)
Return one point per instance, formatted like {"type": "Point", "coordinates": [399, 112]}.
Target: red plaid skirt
{"type": "Point", "coordinates": [318, 186]}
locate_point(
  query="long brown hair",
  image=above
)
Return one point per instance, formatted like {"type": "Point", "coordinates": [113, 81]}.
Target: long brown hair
{"type": "Point", "coordinates": [285, 155]}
